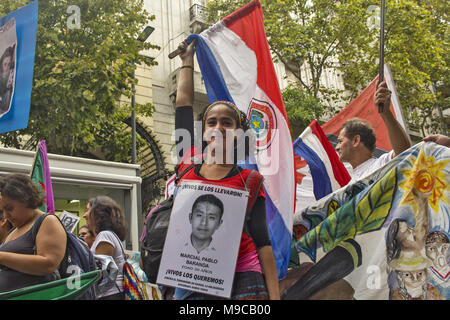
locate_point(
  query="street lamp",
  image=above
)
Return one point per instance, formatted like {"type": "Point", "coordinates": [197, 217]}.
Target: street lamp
{"type": "Point", "coordinates": [142, 37]}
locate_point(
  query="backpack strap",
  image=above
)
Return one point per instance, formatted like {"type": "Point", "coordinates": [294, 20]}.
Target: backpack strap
{"type": "Point", "coordinates": [253, 185]}
{"type": "Point", "coordinates": [250, 183]}
{"type": "Point", "coordinates": [186, 169]}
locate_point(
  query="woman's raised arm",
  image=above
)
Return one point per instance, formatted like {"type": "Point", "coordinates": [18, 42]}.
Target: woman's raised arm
{"type": "Point", "coordinates": [185, 88]}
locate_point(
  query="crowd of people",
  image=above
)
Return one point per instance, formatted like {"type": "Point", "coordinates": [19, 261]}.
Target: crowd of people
{"type": "Point", "coordinates": [26, 261]}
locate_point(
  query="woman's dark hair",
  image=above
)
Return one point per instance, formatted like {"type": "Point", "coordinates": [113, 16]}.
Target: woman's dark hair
{"type": "Point", "coordinates": [242, 123]}
{"type": "Point", "coordinates": [20, 187]}
{"type": "Point", "coordinates": [108, 215]}
{"type": "Point", "coordinates": [356, 126]}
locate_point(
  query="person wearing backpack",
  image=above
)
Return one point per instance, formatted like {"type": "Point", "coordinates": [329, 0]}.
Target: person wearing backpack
{"type": "Point", "coordinates": [255, 273]}
{"type": "Point", "coordinates": [105, 219]}
{"type": "Point", "coordinates": [26, 260]}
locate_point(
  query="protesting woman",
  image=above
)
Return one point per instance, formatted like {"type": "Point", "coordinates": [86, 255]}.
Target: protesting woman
{"type": "Point", "coordinates": [26, 260]}
{"type": "Point", "coordinates": [256, 273]}
{"type": "Point", "coordinates": [105, 219]}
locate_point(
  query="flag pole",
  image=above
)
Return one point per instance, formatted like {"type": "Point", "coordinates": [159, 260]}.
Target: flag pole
{"type": "Point", "coordinates": [381, 62]}
{"type": "Point", "coordinates": [174, 53]}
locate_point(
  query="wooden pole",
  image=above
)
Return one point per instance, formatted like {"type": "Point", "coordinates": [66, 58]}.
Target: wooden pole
{"type": "Point", "coordinates": [381, 62]}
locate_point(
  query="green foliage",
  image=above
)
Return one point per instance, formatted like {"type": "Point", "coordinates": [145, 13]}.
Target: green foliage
{"type": "Point", "coordinates": [301, 109]}
{"type": "Point", "coordinates": [354, 217]}
{"type": "Point", "coordinates": [80, 74]}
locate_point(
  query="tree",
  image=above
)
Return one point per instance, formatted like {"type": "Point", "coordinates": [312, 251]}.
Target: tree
{"type": "Point", "coordinates": [301, 109]}
{"type": "Point", "coordinates": [81, 71]}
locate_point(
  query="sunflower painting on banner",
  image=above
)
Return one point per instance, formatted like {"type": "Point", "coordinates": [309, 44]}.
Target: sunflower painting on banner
{"type": "Point", "coordinates": [387, 235]}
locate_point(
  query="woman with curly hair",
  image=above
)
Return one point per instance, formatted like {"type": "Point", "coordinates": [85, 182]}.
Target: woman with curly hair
{"type": "Point", "coordinates": [105, 219]}
{"type": "Point", "coordinates": [25, 259]}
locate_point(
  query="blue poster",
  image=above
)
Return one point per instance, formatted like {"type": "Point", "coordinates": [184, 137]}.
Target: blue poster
{"type": "Point", "coordinates": [17, 50]}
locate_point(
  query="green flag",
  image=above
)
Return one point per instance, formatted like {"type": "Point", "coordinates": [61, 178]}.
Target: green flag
{"type": "Point", "coordinates": [40, 174]}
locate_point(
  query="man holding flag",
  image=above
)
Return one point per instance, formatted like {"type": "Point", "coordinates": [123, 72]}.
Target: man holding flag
{"type": "Point", "coordinates": [357, 140]}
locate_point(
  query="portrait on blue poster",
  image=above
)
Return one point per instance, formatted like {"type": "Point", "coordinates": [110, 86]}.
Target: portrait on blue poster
{"type": "Point", "coordinates": [17, 51]}
{"type": "Point", "coordinates": [203, 238]}
{"type": "Point", "coordinates": [8, 44]}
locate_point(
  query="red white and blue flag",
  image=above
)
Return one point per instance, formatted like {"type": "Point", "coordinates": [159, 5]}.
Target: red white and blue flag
{"type": "Point", "coordinates": [318, 169]}
{"type": "Point", "coordinates": [237, 66]}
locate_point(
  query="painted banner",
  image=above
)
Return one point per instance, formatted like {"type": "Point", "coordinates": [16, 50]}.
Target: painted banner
{"type": "Point", "coordinates": [201, 248]}
{"type": "Point", "coordinates": [237, 66]}
{"type": "Point", "coordinates": [386, 235]}
{"type": "Point", "coordinates": [17, 50]}
{"type": "Point", "coordinates": [363, 107]}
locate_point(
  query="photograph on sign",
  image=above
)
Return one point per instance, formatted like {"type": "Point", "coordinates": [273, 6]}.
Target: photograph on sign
{"type": "Point", "coordinates": [8, 45]}
{"type": "Point", "coordinates": [203, 238]}
{"type": "Point", "coordinates": [69, 221]}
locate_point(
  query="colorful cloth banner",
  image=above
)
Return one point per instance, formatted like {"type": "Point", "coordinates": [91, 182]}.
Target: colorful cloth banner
{"type": "Point", "coordinates": [318, 169]}
{"type": "Point", "coordinates": [362, 107]}
{"type": "Point", "coordinates": [40, 174]}
{"type": "Point", "coordinates": [19, 55]}
{"type": "Point", "coordinates": [236, 66]}
{"type": "Point", "coordinates": [394, 224]}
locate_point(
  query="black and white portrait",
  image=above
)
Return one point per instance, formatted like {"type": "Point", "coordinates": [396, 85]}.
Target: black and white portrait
{"type": "Point", "coordinates": [203, 238]}
{"type": "Point", "coordinates": [69, 221]}
{"type": "Point", "coordinates": [8, 46]}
